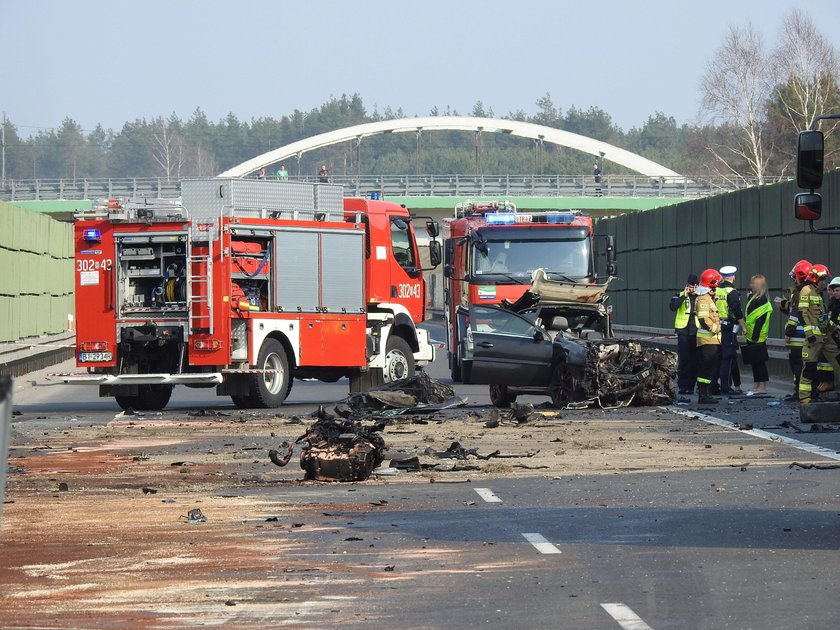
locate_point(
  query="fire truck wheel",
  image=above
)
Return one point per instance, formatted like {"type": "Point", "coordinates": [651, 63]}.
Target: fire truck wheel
{"type": "Point", "coordinates": [270, 390]}
{"type": "Point", "coordinates": [126, 402]}
{"type": "Point", "coordinates": [242, 402]}
{"type": "Point", "coordinates": [153, 397]}
{"type": "Point", "coordinates": [399, 359]}
{"type": "Point", "coordinates": [501, 397]}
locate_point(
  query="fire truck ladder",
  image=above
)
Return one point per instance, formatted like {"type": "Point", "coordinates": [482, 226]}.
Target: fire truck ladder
{"type": "Point", "coordinates": [200, 294]}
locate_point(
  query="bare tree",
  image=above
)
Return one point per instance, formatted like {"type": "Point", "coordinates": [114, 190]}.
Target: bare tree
{"type": "Point", "coordinates": [735, 91]}
{"type": "Point", "coordinates": [805, 71]}
{"type": "Point", "coordinates": [168, 150]}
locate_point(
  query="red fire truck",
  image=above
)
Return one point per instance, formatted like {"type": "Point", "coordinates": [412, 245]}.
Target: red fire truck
{"type": "Point", "coordinates": [243, 286]}
{"type": "Point", "coordinates": [491, 252]}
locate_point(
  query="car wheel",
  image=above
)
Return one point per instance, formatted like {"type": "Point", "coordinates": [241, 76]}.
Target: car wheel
{"type": "Point", "coordinates": [562, 387]}
{"type": "Point", "coordinates": [399, 360]}
{"type": "Point", "coordinates": [501, 397]}
{"type": "Point", "coordinates": [269, 390]}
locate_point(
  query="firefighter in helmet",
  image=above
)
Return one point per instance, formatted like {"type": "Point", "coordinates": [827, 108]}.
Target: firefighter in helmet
{"type": "Point", "coordinates": [794, 330]}
{"type": "Point", "coordinates": [818, 340]}
{"type": "Point", "coordinates": [708, 334]}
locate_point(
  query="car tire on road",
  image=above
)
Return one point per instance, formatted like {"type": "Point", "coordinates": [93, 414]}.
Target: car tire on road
{"type": "Point", "coordinates": [501, 397]}
{"type": "Point", "coordinates": [562, 386]}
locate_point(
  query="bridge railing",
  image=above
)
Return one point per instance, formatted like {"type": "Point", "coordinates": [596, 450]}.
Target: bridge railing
{"type": "Point", "coordinates": [407, 185]}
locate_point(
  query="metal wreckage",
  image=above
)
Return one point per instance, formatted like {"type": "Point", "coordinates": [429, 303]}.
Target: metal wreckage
{"type": "Point", "coordinates": [583, 365]}
{"type": "Point", "coordinates": [557, 340]}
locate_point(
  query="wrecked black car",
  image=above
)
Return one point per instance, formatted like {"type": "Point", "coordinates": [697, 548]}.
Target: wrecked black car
{"type": "Point", "coordinates": [557, 341]}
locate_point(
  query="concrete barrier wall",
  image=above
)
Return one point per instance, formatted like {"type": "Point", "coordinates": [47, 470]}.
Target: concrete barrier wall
{"type": "Point", "coordinates": [753, 229]}
{"type": "Point", "coordinates": [36, 274]}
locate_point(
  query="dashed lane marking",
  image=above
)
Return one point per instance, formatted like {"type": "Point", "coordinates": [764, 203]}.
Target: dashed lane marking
{"type": "Point", "coordinates": [759, 433]}
{"type": "Point", "coordinates": [625, 617]}
{"type": "Point", "coordinates": [488, 495]}
{"type": "Point", "coordinates": [540, 543]}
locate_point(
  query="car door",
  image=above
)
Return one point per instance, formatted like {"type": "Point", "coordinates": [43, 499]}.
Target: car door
{"type": "Point", "coordinates": [508, 349]}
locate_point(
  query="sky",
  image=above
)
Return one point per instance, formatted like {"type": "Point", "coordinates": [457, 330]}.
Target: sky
{"type": "Point", "coordinates": [113, 61]}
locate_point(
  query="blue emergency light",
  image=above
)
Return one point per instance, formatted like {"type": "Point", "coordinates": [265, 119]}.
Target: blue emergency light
{"type": "Point", "coordinates": [92, 236]}
{"type": "Point", "coordinates": [500, 218]}
{"type": "Point", "coordinates": [557, 217]}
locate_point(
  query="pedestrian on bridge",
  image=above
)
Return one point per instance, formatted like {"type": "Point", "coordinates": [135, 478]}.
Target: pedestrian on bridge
{"type": "Point", "coordinates": [282, 173]}
{"type": "Point", "coordinates": [757, 319]}
{"type": "Point", "coordinates": [728, 302]}
{"type": "Point", "coordinates": [708, 335]}
{"type": "Point", "coordinates": [685, 326]}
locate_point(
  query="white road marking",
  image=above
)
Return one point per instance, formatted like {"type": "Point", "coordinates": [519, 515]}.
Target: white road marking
{"type": "Point", "coordinates": [487, 495]}
{"type": "Point", "coordinates": [541, 543]}
{"type": "Point", "coordinates": [759, 433]}
{"type": "Point", "coordinates": [625, 617]}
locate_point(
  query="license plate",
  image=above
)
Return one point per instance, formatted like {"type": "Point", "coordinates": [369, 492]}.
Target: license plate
{"type": "Point", "coordinates": [95, 357]}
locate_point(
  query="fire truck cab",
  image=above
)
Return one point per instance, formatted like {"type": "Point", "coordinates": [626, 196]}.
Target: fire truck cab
{"type": "Point", "coordinates": [491, 252]}
{"type": "Point", "coordinates": [243, 286]}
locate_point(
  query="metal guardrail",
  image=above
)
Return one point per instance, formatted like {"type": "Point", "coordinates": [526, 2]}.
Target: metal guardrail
{"type": "Point", "coordinates": [406, 186]}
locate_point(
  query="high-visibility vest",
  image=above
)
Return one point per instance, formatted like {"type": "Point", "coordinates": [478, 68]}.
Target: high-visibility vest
{"type": "Point", "coordinates": [752, 317]}
{"type": "Point", "coordinates": [683, 312]}
{"type": "Point", "coordinates": [720, 301]}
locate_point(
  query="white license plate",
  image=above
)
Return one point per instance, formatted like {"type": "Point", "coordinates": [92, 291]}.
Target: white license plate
{"type": "Point", "coordinates": [95, 357]}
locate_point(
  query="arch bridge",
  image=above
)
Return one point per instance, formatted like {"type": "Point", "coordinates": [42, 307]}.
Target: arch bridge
{"type": "Point", "coordinates": [537, 133]}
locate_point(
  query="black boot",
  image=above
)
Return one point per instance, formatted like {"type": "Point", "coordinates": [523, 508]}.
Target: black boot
{"type": "Point", "coordinates": [704, 398]}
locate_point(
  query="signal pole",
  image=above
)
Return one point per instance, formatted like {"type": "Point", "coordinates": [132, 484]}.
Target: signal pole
{"type": "Point", "coordinates": [3, 145]}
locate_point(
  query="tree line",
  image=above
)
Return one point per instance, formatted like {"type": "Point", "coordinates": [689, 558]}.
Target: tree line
{"type": "Point", "coordinates": [755, 100]}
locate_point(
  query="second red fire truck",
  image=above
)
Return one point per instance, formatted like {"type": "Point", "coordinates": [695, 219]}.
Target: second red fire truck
{"type": "Point", "coordinates": [244, 286]}
{"type": "Point", "coordinates": [491, 252]}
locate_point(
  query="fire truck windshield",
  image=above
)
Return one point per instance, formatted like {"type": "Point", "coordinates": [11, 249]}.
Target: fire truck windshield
{"type": "Point", "coordinates": [513, 255]}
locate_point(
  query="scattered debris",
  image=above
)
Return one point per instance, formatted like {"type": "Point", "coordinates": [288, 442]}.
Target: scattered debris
{"type": "Point", "coordinates": [418, 394]}
{"type": "Point", "coordinates": [148, 490]}
{"type": "Point", "coordinates": [230, 602]}
{"type": "Point", "coordinates": [341, 449]}
{"type": "Point", "coordinates": [202, 413]}
{"type": "Point", "coordinates": [282, 456]}
{"type": "Point", "coordinates": [814, 466]}
{"type": "Point", "coordinates": [386, 471]}
{"type": "Point", "coordinates": [411, 464]}
{"type": "Point", "coordinates": [194, 517]}
{"type": "Point", "coordinates": [389, 568]}
{"type": "Point", "coordinates": [63, 487]}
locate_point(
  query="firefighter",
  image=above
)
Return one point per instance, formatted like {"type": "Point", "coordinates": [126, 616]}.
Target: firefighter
{"type": "Point", "coordinates": [794, 331]}
{"type": "Point", "coordinates": [818, 341]}
{"type": "Point", "coordinates": [708, 335]}
{"type": "Point", "coordinates": [728, 302]}
{"type": "Point", "coordinates": [685, 326]}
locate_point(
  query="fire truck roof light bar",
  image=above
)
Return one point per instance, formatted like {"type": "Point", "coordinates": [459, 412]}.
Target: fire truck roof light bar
{"type": "Point", "coordinates": [511, 218]}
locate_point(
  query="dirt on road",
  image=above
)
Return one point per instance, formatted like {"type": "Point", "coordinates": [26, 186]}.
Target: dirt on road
{"type": "Point", "coordinates": [95, 530]}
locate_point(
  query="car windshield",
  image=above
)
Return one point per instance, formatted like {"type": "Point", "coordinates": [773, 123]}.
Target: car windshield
{"type": "Point", "coordinates": [520, 257]}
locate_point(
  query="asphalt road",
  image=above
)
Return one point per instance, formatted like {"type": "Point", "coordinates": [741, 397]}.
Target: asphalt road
{"type": "Point", "coordinates": [711, 548]}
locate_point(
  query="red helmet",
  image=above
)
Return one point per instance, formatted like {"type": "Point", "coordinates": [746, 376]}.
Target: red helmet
{"type": "Point", "coordinates": [800, 271]}
{"type": "Point", "coordinates": [818, 272]}
{"type": "Point", "coordinates": [710, 278]}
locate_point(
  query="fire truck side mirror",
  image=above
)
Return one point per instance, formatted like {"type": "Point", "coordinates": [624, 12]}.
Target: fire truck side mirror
{"type": "Point", "coordinates": [435, 254]}
{"type": "Point", "coordinates": [449, 271]}
{"type": "Point", "coordinates": [807, 206]}
{"type": "Point", "coordinates": [432, 228]}
{"type": "Point", "coordinates": [610, 250]}
{"type": "Point", "coordinates": [810, 153]}
{"type": "Point", "coordinates": [612, 269]}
